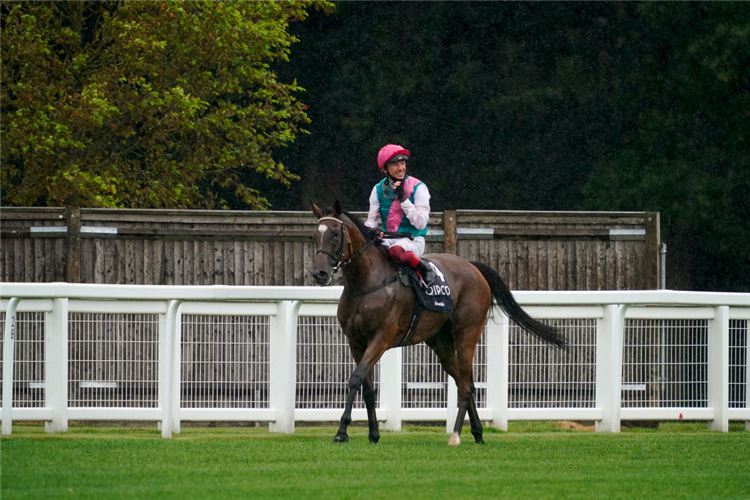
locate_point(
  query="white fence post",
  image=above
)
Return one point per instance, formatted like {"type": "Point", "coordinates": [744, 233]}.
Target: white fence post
{"type": "Point", "coordinates": [176, 379]}
{"type": "Point", "coordinates": [747, 371]}
{"type": "Point", "coordinates": [609, 345]}
{"type": "Point", "coordinates": [498, 330]}
{"type": "Point", "coordinates": [283, 369]}
{"type": "Point", "coordinates": [390, 388]}
{"type": "Point", "coordinates": [718, 369]}
{"type": "Point", "coordinates": [8, 354]}
{"type": "Point", "coordinates": [163, 368]}
{"type": "Point", "coordinates": [452, 402]}
{"type": "Point", "coordinates": [169, 337]}
{"type": "Point", "coordinates": [56, 387]}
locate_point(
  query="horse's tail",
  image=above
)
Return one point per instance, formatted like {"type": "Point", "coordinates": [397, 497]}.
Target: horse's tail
{"type": "Point", "coordinates": [504, 298]}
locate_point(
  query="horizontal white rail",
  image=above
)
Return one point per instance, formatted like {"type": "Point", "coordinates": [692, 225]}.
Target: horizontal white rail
{"type": "Point", "coordinates": [332, 293]}
{"type": "Point", "coordinates": [275, 354]}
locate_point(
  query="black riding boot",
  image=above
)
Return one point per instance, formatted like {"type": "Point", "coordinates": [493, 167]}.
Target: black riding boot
{"type": "Point", "coordinates": [428, 274]}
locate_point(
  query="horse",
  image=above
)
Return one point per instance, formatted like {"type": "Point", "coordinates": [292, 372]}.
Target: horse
{"type": "Point", "coordinates": [375, 312]}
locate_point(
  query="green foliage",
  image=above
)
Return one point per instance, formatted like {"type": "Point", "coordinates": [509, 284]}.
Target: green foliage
{"type": "Point", "coordinates": [686, 153]}
{"type": "Point", "coordinates": [146, 104]}
{"type": "Point", "coordinates": [504, 105]}
{"type": "Point", "coordinates": [543, 106]}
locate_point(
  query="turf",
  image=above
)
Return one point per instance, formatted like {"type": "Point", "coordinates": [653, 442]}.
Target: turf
{"type": "Point", "coordinates": [536, 461]}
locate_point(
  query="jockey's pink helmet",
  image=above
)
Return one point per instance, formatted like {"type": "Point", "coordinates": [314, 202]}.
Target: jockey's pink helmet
{"type": "Point", "coordinates": [389, 153]}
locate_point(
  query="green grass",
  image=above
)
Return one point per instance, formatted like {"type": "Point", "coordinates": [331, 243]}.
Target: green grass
{"type": "Point", "coordinates": [530, 461]}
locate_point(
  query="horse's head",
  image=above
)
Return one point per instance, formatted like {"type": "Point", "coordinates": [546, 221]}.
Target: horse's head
{"type": "Point", "coordinates": [330, 243]}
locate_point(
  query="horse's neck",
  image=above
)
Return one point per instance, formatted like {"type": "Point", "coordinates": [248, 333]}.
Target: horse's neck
{"type": "Point", "coordinates": [368, 269]}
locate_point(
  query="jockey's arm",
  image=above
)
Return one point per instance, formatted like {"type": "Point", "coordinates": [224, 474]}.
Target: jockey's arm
{"type": "Point", "coordinates": [418, 212]}
{"type": "Point", "coordinates": [374, 213]}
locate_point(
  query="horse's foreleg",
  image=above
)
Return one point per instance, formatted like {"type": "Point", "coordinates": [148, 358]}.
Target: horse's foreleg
{"type": "Point", "coordinates": [371, 356]}
{"type": "Point", "coordinates": [369, 395]}
{"type": "Point", "coordinates": [355, 382]}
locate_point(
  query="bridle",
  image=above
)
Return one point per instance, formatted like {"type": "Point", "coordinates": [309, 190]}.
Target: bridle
{"type": "Point", "coordinates": [340, 261]}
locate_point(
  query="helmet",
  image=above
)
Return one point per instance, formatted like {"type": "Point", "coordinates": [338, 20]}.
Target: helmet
{"type": "Point", "coordinates": [390, 153]}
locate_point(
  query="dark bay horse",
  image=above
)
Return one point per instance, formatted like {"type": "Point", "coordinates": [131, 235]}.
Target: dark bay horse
{"type": "Point", "coordinates": [375, 311]}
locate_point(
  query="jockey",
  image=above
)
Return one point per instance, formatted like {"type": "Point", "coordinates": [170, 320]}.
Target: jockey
{"type": "Point", "coordinates": [403, 204]}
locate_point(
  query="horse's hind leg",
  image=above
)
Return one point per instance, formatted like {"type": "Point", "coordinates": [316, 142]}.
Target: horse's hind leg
{"type": "Point", "coordinates": [476, 425]}
{"type": "Point", "coordinates": [466, 403]}
{"type": "Point", "coordinates": [466, 388]}
{"type": "Point", "coordinates": [458, 363]}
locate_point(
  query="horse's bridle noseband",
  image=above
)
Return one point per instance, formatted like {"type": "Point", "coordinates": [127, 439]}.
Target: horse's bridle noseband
{"type": "Point", "coordinates": [340, 261]}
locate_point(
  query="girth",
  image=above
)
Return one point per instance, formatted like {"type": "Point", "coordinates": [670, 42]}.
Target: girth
{"type": "Point", "coordinates": [412, 324]}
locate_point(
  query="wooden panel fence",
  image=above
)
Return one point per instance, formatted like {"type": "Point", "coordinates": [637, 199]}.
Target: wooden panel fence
{"type": "Point", "coordinates": [531, 250]}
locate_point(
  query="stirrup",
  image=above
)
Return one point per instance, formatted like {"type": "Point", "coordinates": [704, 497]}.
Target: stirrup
{"type": "Point", "coordinates": [426, 282]}
{"type": "Point", "coordinates": [426, 274]}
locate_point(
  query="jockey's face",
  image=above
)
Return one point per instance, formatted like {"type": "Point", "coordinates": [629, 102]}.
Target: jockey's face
{"type": "Point", "coordinates": [397, 169]}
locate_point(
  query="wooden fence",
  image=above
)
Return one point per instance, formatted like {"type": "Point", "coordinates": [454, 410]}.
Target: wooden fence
{"type": "Point", "coordinates": [531, 250]}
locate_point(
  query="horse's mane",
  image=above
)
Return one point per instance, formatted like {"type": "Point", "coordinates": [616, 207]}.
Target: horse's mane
{"type": "Point", "coordinates": [368, 232]}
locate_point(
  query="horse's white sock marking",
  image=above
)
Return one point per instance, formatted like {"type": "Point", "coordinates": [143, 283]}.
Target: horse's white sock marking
{"type": "Point", "coordinates": [455, 440]}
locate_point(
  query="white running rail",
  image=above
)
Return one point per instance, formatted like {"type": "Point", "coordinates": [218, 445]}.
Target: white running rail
{"type": "Point", "coordinates": [171, 354]}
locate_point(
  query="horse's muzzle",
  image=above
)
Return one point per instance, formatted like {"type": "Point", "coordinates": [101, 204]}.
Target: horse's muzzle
{"type": "Point", "coordinates": [322, 277]}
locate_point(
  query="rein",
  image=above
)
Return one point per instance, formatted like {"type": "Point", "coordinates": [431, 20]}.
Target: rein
{"type": "Point", "coordinates": [348, 261]}
{"type": "Point", "coordinates": [341, 262]}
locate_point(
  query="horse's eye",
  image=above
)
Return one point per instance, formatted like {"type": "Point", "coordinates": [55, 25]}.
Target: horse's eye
{"type": "Point", "coordinates": [336, 233]}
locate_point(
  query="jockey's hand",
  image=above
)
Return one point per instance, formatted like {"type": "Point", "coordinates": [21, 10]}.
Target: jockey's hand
{"type": "Point", "coordinates": [398, 188]}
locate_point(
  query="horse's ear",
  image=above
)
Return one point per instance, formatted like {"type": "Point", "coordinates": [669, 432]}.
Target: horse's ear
{"type": "Point", "coordinates": [336, 208]}
{"type": "Point", "coordinates": [316, 210]}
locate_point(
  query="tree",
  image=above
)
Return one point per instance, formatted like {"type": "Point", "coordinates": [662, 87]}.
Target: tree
{"type": "Point", "coordinates": [685, 153]}
{"type": "Point", "coordinates": [503, 104]}
{"type": "Point", "coordinates": [146, 104]}
{"type": "Point", "coordinates": [543, 106]}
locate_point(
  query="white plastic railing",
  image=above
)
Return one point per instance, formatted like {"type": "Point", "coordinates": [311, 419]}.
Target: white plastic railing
{"type": "Point", "coordinates": [284, 305]}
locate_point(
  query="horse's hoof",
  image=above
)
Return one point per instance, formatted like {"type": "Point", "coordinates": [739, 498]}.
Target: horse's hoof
{"type": "Point", "coordinates": [455, 440]}
{"type": "Point", "coordinates": [374, 438]}
{"type": "Point", "coordinates": [341, 438]}
{"type": "Point", "coordinates": [479, 440]}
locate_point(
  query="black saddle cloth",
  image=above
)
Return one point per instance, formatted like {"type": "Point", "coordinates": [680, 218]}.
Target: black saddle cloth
{"type": "Point", "coordinates": [436, 297]}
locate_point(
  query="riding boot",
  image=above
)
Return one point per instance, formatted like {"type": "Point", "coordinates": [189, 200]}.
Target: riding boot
{"type": "Point", "coordinates": [428, 274]}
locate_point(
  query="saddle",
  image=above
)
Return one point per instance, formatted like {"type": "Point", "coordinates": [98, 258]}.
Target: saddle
{"type": "Point", "coordinates": [436, 297]}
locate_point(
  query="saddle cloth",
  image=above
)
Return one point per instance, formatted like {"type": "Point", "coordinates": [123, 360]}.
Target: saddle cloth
{"type": "Point", "coordinates": [436, 297]}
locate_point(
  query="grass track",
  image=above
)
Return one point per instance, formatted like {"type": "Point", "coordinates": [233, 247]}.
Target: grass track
{"type": "Point", "coordinates": [536, 461]}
